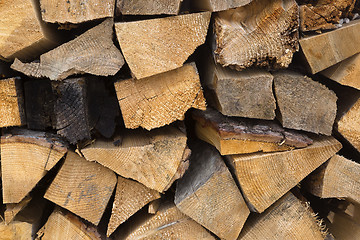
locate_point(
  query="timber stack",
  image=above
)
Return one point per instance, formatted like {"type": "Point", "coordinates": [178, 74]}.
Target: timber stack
{"type": "Point", "coordinates": [180, 119]}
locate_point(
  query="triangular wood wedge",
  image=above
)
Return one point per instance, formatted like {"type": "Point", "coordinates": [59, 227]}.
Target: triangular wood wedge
{"type": "Point", "coordinates": [12, 209]}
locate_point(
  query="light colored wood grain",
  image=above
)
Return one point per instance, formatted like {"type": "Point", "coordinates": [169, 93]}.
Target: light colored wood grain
{"type": "Point", "coordinates": [218, 5]}
{"type": "Point", "coordinates": [343, 225]}
{"type": "Point", "coordinates": [15, 230]}
{"type": "Point", "coordinates": [14, 208]}
{"type": "Point", "coordinates": [149, 7]}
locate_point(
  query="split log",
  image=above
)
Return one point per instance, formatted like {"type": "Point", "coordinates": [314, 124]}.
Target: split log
{"type": "Point", "coordinates": [262, 33]}
{"type": "Point", "coordinates": [164, 43]}
{"type": "Point", "coordinates": [208, 194]}
{"type": "Point", "coordinates": [241, 135]}
{"type": "Point", "coordinates": [218, 5]}
{"type": "Point", "coordinates": [154, 206]}
{"type": "Point", "coordinates": [130, 197]}
{"type": "Point", "coordinates": [102, 58]}
{"type": "Point", "coordinates": [151, 158]}
{"type": "Point", "coordinates": [160, 100]}
{"type": "Point", "coordinates": [288, 218]}
{"type": "Point", "coordinates": [12, 209]}
{"type": "Point", "coordinates": [149, 7]}
{"type": "Point", "coordinates": [16, 230]}
{"type": "Point", "coordinates": [76, 11]}
{"type": "Point", "coordinates": [12, 110]}
{"type": "Point", "coordinates": [304, 104]}
{"type": "Point", "coordinates": [82, 187]}
{"type": "Point", "coordinates": [337, 178]}
{"type": "Point", "coordinates": [25, 151]}
{"type": "Point", "coordinates": [266, 177]}
{"type": "Point", "coordinates": [327, 49]}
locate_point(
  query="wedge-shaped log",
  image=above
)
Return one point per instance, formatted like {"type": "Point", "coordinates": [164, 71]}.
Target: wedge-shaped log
{"type": "Point", "coordinates": [149, 7]}
{"type": "Point", "coordinates": [304, 104]}
{"type": "Point", "coordinates": [160, 100]}
{"type": "Point", "coordinates": [12, 109]}
{"type": "Point", "coordinates": [240, 135]}
{"type": "Point", "coordinates": [324, 50]}
{"type": "Point", "coordinates": [159, 45]}
{"type": "Point", "coordinates": [262, 33]}
{"type": "Point", "coordinates": [82, 187]}
{"type": "Point", "coordinates": [76, 11]}
{"type": "Point", "coordinates": [12, 209]}
{"type": "Point", "coordinates": [218, 5]}
{"type": "Point", "coordinates": [266, 177]}
{"type": "Point", "coordinates": [288, 218]}
{"type": "Point", "coordinates": [208, 194]}
{"type": "Point", "coordinates": [102, 58]}
{"type": "Point", "coordinates": [26, 156]}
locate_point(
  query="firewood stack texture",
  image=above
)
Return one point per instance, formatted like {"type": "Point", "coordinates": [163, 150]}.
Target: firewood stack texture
{"type": "Point", "coordinates": [180, 119]}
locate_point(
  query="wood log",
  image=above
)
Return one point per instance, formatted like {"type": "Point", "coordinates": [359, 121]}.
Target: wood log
{"type": "Point", "coordinates": [150, 7]}
{"type": "Point", "coordinates": [327, 49]}
{"type": "Point", "coordinates": [208, 194]}
{"type": "Point", "coordinates": [25, 151]}
{"type": "Point", "coordinates": [82, 187]}
{"type": "Point", "coordinates": [218, 5]}
{"type": "Point", "coordinates": [16, 230]}
{"type": "Point", "coordinates": [102, 58]}
{"type": "Point", "coordinates": [164, 43]}
{"type": "Point", "coordinates": [160, 100]}
{"type": "Point", "coordinates": [288, 218]}
{"type": "Point", "coordinates": [12, 103]}
{"type": "Point", "coordinates": [76, 11]}
{"type": "Point", "coordinates": [154, 206]}
{"type": "Point", "coordinates": [304, 104]}
{"type": "Point", "coordinates": [151, 158]}
{"type": "Point", "coordinates": [12, 209]}
{"type": "Point", "coordinates": [345, 72]}
{"type": "Point", "coordinates": [266, 177]}
{"type": "Point", "coordinates": [240, 135]}
{"type": "Point", "coordinates": [130, 197]}
{"type": "Point", "coordinates": [262, 33]}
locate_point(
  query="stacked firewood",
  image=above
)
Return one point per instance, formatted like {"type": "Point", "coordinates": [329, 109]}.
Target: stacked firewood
{"type": "Point", "coordinates": [180, 119]}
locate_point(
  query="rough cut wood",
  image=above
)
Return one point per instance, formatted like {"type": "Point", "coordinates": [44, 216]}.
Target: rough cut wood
{"type": "Point", "coordinates": [82, 187]}
{"type": "Point", "coordinates": [337, 178]}
{"type": "Point", "coordinates": [26, 156]}
{"type": "Point", "coordinates": [12, 109]}
{"type": "Point", "coordinates": [240, 135]}
{"type": "Point", "coordinates": [151, 158]}
{"type": "Point", "coordinates": [159, 45]}
{"type": "Point", "coordinates": [149, 7]}
{"type": "Point", "coordinates": [154, 206]}
{"type": "Point", "coordinates": [304, 104]}
{"type": "Point", "coordinates": [130, 197]}
{"type": "Point", "coordinates": [16, 230]}
{"type": "Point", "coordinates": [324, 50]}
{"type": "Point", "coordinates": [208, 194]}
{"type": "Point", "coordinates": [288, 218]}
{"type": "Point", "coordinates": [160, 100]}
{"type": "Point", "coordinates": [344, 226]}
{"type": "Point", "coordinates": [218, 5]}
{"type": "Point", "coordinates": [262, 33]}
{"type": "Point", "coordinates": [76, 11]}
{"type": "Point", "coordinates": [99, 56]}
{"type": "Point", "coordinates": [12, 209]}
{"type": "Point", "coordinates": [265, 177]}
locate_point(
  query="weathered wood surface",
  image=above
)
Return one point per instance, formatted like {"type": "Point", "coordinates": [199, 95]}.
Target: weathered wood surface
{"type": "Point", "coordinates": [240, 135]}
{"type": "Point", "coordinates": [218, 5]}
{"type": "Point", "coordinates": [266, 177]}
{"type": "Point", "coordinates": [159, 45]}
{"type": "Point", "coordinates": [82, 187]}
{"type": "Point", "coordinates": [98, 56]}
{"type": "Point", "coordinates": [304, 104]}
{"type": "Point", "coordinates": [207, 183]}
{"type": "Point", "coordinates": [262, 33]}
{"type": "Point", "coordinates": [26, 156]}
{"type": "Point", "coordinates": [324, 50]}
{"type": "Point", "coordinates": [288, 218]}
{"type": "Point", "coordinates": [160, 100]}
{"type": "Point", "coordinates": [149, 7]}
{"type": "Point", "coordinates": [16, 230]}
{"type": "Point", "coordinates": [75, 11]}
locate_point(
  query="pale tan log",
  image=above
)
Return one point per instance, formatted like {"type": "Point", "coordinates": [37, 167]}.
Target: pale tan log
{"type": "Point", "coordinates": [154, 206]}
{"type": "Point", "coordinates": [82, 187]}
{"type": "Point", "coordinates": [26, 156]}
{"type": "Point", "coordinates": [149, 7]}
{"type": "Point", "coordinates": [344, 225]}
{"type": "Point", "coordinates": [208, 194]}
{"type": "Point", "coordinates": [288, 218]}
{"type": "Point", "coordinates": [345, 72]}
{"type": "Point", "coordinates": [266, 177]}
{"type": "Point", "coordinates": [151, 158]}
{"type": "Point", "coordinates": [263, 33]}
{"type": "Point", "coordinates": [161, 99]}
{"type": "Point", "coordinates": [92, 52]}
{"type": "Point", "coordinates": [130, 197]}
{"type": "Point", "coordinates": [12, 108]}
{"type": "Point", "coordinates": [14, 208]}
{"type": "Point", "coordinates": [159, 45]}
{"type": "Point", "coordinates": [326, 49]}
{"type": "Point", "coordinates": [76, 11]}
{"type": "Point", "coordinates": [218, 5]}
{"type": "Point", "coordinates": [16, 230]}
